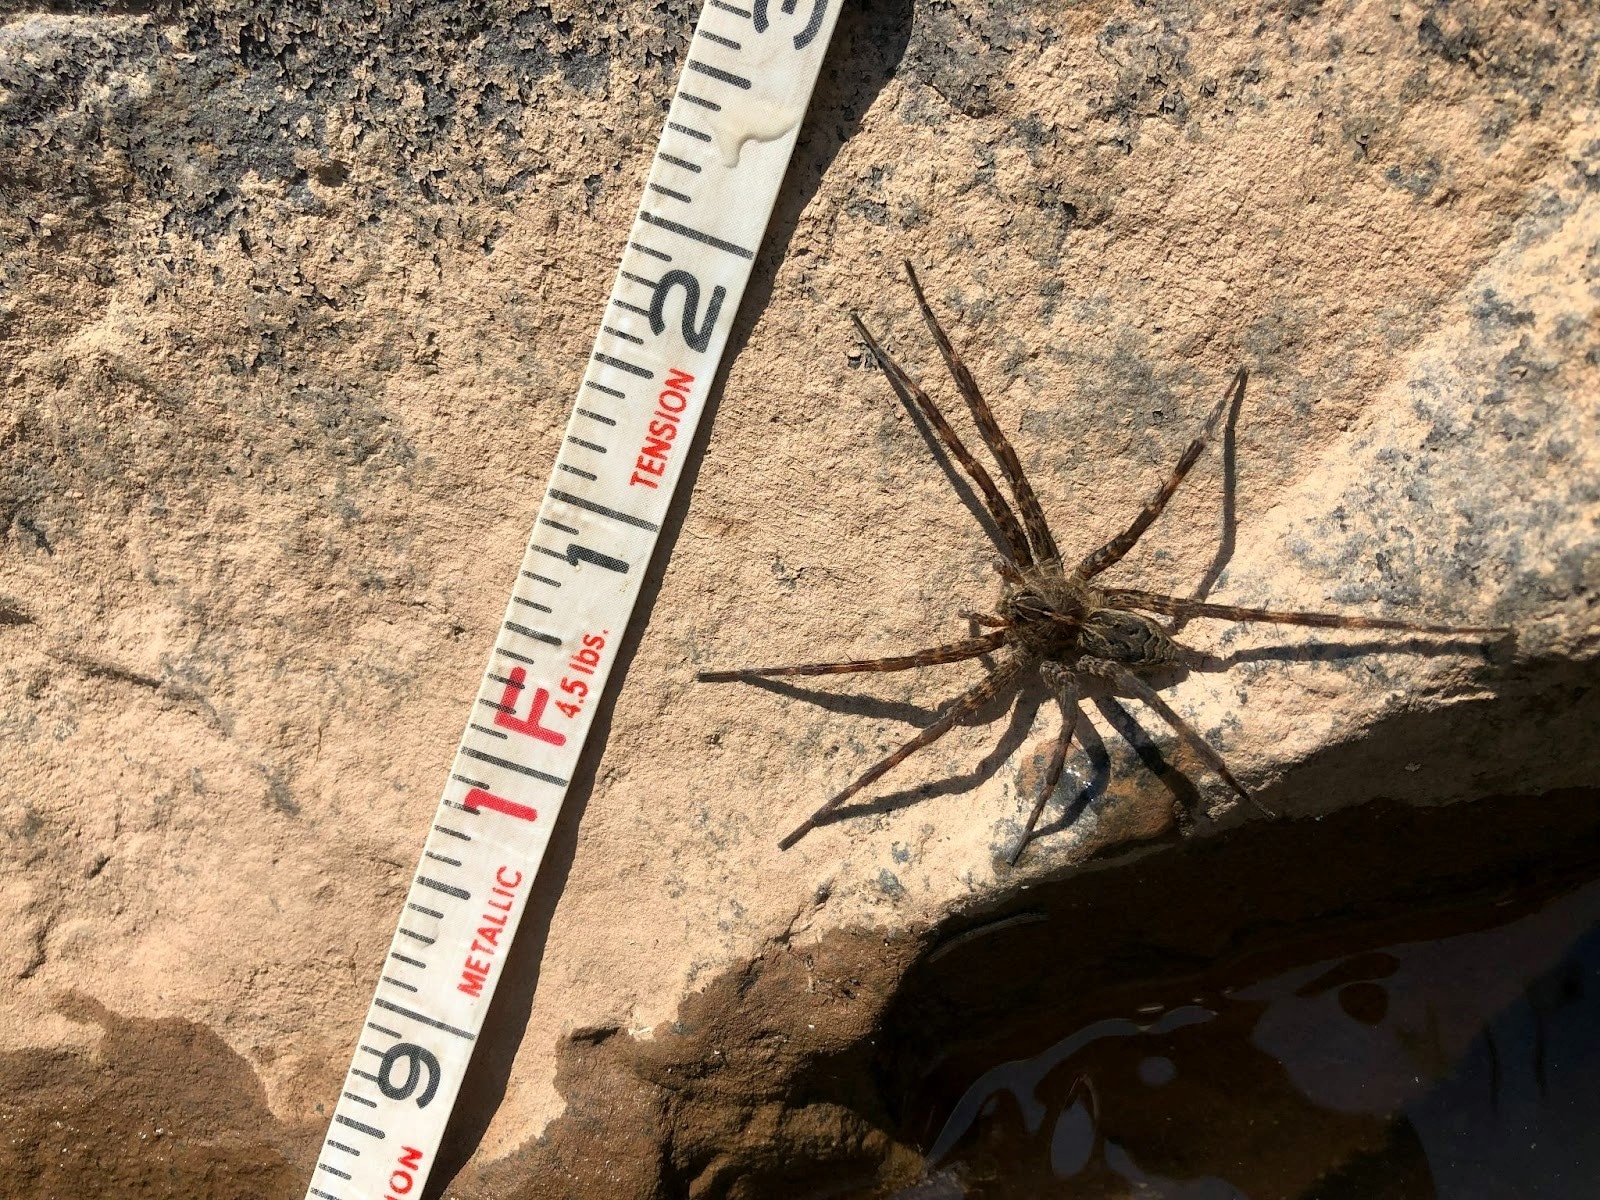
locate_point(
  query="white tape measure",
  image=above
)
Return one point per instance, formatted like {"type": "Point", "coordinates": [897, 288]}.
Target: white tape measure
{"type": "Point", "coordinates": [717, 169]}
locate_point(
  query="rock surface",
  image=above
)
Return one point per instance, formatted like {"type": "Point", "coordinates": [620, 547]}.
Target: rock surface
{"type": "Point", "coordinates": [293, 300]}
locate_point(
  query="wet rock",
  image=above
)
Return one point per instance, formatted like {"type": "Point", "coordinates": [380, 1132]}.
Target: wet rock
{"type": "Point", "coordinates": [293, 305]}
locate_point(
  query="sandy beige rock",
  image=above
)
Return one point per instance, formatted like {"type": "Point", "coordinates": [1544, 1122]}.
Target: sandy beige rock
{"type": "Point", "coordinates": [294, 305]}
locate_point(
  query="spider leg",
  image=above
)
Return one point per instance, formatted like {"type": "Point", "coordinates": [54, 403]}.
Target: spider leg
{"type": "Point", "coordinates": [954, 652]}
{"type": "Point", "coordinates": [1112, 552]}
{"type": "Point", "coordinates": [1066, 688]}
{"type": "Point", "coordinates": [1152, 602]}
{"type": "Point", "coordinates": [1015, 543]}
{"type": "Point", "coordinates": [1033, 520]}
{"type": "Point", "coordinates": [1130, 683]}
{"type": "Point", "coordinates": [987, 620]}
{"type": "Point", "coordinates": [970, 701]}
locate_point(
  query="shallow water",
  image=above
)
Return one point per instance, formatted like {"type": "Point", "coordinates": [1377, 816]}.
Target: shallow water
{"type": "Point", "coordinates": [1462, 1066]}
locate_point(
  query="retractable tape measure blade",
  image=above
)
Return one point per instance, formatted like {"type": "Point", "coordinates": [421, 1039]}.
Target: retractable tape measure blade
{"type": "Point", "coordinates": [721, 159]}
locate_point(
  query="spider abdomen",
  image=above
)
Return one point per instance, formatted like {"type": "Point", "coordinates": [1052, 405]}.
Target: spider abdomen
{"type": "Point", "coordinates": [1125, 637]}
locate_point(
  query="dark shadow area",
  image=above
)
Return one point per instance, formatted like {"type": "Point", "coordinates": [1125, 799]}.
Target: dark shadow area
{"type": "Point", "coordinates": [1023, 715]}
{"type": "Point", "coordinates": [1148, 752]}
{"type": "Point", "coordinates": [1230, 510]}
{"type": "Point", "coordinates": [953, 475]}
{"type": "Point", "coordinates": [1105, 941]}
{"type": "Point", "coordinates": [867, 45]}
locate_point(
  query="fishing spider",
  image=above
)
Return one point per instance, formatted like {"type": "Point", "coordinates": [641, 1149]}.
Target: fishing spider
{"type": "Point", "coordinates": [1052, 618]}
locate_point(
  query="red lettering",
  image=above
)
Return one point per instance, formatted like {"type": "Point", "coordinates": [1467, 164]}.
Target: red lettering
{"type": "Point", "coordinates": [508, 719]}
{"type": "Point", "coordinates": [478, 798]}
{"type": "Point", "coordinates": [479, 961]}
{"type": "Point", "coordinates": [401, 1180]}
{"type": "Point", "coordinates": [660, 434]}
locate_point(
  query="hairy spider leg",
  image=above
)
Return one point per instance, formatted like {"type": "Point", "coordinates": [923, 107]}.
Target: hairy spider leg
{"type": "Point", "coordinates": [1112, 552]}
{"type": "Point", "coordinates": [1015, 542]}
{"type": "Point", "coordinates": [970, 701]}
{"type": "Point", "coordinates": [1124, 679]}
{"type": "Point", "coordinates": [954, 652]}
{"type": "Point", "coordinates": [1173, 605]}
{"type": "Point", "coordinates": [1033, 518]}
{"type": "Point", "coordinates": [1067, 692]}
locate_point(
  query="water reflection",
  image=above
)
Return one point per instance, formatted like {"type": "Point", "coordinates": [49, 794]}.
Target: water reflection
{"type": "Point", "coordinates": [1458, 1068]}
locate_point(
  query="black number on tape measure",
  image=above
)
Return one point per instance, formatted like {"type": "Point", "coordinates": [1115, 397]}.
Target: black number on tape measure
{"type": "Point", "coordinates": [416, 1059]}
{"type": "Point", "coordinates": [813, 23]}
{"type": "Point", "coordinates": [698, 339]}
{"type": "Point", "coordinates": [577, 553]}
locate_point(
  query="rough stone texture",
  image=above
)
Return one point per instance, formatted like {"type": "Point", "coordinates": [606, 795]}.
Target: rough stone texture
{"type": "Point", "coordinates": [294, 301]}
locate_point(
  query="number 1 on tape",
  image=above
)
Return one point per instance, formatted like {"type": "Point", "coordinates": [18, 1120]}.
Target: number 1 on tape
{"type": "Point", "coordinates": [711, 188]}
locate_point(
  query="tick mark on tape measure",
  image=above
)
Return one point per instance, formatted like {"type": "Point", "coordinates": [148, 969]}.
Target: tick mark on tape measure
{"type": "Point", "coordinates": [694, 133]}
{"type": "Point", "coordinates": [342, 1146]}
{"type": "Point", "coordinates": [455, 833]}
{"type": "Point", "coordinates": [427, 912]}
{"type": "Point", "coordinates": [717, 73]}
{"type": "Point", "coordinates": [678, 162]}
{"type": "Point", "coordinates": [720, 40]}
{"type": "Point", "coordinates": [670, 193]}
{"type": "Point", "coordinates": [728, 8]}
{"type": "Point", "coordinates": [447, 888]}
{"type": "Point", "coordinates": [399, 984]}
{"type": "Point", "coordinates": [696, 235]}
{"type": "Point", "coordinates": [623, 365]}
{"type": "Point", "coordinates": [420, 937]}
{"type": "Point", "coordinates": [411, 962]}
{"type": "Point", "coordinates": [578, 471]}
{"type": "Point", "coordinates": [506, 765]}
{"type": "Point", "coordinates": [420, 1018]}
{"type": "Point", "coordinates": [554, 525]}
{"type": "Point", "coordinates": [548, 639]}
{"type": "Point", "coordinates": [651, 251]}
{"type": "Point", "coordinates": [639, 279]}
{"type": "Point", "coordinates": [325, 1195]}
{"type": "Point", "coordinates": [541, 578]}
{"type": "Point", "coordinates": [637, 341]}
{"type": "Point", "coordinates": [601, 417]}
{"type": "Point", "coordinates": [483, 729]}
{"type": "Point", "coordinates": [634, 309]}
{"type": "Point", "coordinates": [602, 510]}
{"type": "Point", "coordinates": [544, 608]}
{"type": "Point", "coordinates": [595, 446]}
{"type": "Point", "coordinates": [335, 1170]}
{"type": "Point", "coordinates": [363, 1099]}
{"type": "Point", "coordinates": [357, 1125]}
{"type": "Point", "coordinates": [394, 1033]}
{"type": "Point", "coordinates": [610, 391]}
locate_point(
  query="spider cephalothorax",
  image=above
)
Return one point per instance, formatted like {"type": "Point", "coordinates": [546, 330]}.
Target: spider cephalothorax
{"type": "Point", "coordinates": [1053, 619]}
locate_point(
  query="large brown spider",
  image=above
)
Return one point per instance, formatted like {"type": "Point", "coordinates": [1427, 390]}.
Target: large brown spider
{"type": "Point", "coordinates": [1050, 617]}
